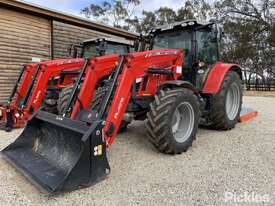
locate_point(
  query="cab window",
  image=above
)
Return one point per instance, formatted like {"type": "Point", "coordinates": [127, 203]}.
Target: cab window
{"type": "Point", "coordinates": [175, 40]}
{"type": "Point", "coordinates": [207, 48]}
{"type": "Point", "coordinates": [115, 49]}
{"type": "Point", "coordinates": [90, 50]}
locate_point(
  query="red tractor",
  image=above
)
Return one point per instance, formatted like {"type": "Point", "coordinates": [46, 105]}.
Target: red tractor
{"type": "Point", "coordinates": [102, 46]}
{"type": "Point", "coordinates": [174, 90]}
{"type": "Point", "coordinates": [39, 84]}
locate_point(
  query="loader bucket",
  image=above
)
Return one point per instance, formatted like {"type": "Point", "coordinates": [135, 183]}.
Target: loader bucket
{"type": "Point", "coordinates": [59, 154]}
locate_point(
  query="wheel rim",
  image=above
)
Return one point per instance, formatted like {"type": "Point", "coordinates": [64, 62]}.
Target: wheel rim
{"type": "Point", "coordinates": [183, 122]}
{"type": "Point", "coordinates": [232, 101]}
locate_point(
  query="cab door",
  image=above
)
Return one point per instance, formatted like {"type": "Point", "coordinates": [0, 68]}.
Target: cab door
{"type": "Point", "coordinates": [207, 54]}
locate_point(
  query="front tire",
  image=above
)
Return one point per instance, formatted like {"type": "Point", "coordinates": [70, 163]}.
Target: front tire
{"type": "Point", "coordinates": [95, 105]}
{"type": "Point", "coordinates": [173, 120]}
{"type": "Point", "coordinates": [50, 103]}
{"type": "Point", "coordinates": [64, 97]}
{"type": "Point", "coordinates": [227, 103]}
{"type": "Point", "coordinates": [97, 101]}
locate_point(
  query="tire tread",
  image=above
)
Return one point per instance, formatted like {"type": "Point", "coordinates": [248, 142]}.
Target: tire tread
{"type": "Point", "coordinates": [157, 117]}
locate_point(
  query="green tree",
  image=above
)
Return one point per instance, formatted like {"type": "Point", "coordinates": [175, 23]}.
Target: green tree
{"type": "Point", "coordinates": [249, 38]}
{"type": "Point", "coordinates": [249, 25]}
{"type": "Point", "coordinates": [147, 21]}
{"type": "Point", "coordinates": [198, 9]}
{"type": "Point", "coordinates": [121, 14]}
{"type": "Point", "coordinates": [165, 15]}
{"type": "Point", "coordinates": [117, 13]}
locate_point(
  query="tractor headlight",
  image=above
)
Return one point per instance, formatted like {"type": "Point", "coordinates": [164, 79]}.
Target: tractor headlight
{"type": "Point", "coordinates": [201, 64]}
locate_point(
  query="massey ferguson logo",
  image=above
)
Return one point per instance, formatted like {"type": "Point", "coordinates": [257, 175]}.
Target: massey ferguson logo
{"type": "Point", "coordinates": [37, 97]}
{"type": "Point", "coordinates": [152, 54]}
{"type": "Point", "coordinates": [119, 108]}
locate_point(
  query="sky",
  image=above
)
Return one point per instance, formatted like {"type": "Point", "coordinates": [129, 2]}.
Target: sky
{"type": "Point", "coordinates": [74, 6]}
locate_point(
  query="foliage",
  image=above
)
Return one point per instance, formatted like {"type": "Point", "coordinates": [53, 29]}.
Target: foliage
{"type": "Point", "coordinates": [249, 25]}
{"type": "Point", "coordinates": [249, 33]}
{"type": "Point", "coordinates": [114, 12]}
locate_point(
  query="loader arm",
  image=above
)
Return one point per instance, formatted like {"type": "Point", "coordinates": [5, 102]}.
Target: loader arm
{"type": "Point", "coordinates": [96, 70]}
{"type": "Point", "coordinates": [21, 85]}
{"type": "Point", "coordinates": [10, 112]}
{"type": "Point", "coordinates": [46, 73]}
{"type": "Point", "coordinates": [15, 88]}
{"type": "Point", "coordinates": [138, 65]}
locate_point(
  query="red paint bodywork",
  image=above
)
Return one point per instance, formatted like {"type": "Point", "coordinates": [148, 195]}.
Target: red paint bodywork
{"type": "Point", "coordinates": [135, 66]}
{"type": "Point", "coordinates": [49, 69]}
{"type": "Point", "coordinates": [216, 76]}
{"type": "Point", "coordinates": [97, 68]}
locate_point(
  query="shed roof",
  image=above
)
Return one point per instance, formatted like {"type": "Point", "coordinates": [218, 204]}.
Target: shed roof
{"type": "Point", "coordinates": [64, 17]}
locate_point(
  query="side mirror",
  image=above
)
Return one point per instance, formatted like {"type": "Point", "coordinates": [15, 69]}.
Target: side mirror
{"type": "Point", "coordinates": [72, 50]}
{"type": "Point", "coordinates": [145, 42]}
{"type": "Point", "coordinates": [214, 39]}
{"type": "Point", "coordinates": [214, 34]}
{"type": "Point", "coordinates": [220, 32]}
{"type": "Point", "coordinates": [136, 45]}
{"type": "Point", "coordinates": [101, 48]}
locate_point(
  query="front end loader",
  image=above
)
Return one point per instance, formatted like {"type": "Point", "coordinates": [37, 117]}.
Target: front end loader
{"type": "Point", "coordinates": [174, 90]}
{"type": "Point", "coordinates": [7, 117]}
{"type": "Point", "coordinates": [68, 151]}
{"type": "Point", "coordinates": [36, 87]}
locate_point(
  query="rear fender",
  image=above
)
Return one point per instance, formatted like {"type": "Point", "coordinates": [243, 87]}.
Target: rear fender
{"type": "Point", "coordinates": [216, 76]}
{"type": "Point", "coordinates": [178, 83]}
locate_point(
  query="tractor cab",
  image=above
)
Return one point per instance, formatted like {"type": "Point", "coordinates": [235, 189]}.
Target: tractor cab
{"type": "Point", "coordinates": [199, 42]}
{"type": "Point", "coordinates": [100, 47]}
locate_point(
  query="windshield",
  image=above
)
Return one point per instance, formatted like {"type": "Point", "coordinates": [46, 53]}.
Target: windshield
{"type": "Point", "coordinates": [116, 49]}
{"type": "Point", "coordinates": [175, 40]}
{"type": "Point", "coordinates": [92, 50]}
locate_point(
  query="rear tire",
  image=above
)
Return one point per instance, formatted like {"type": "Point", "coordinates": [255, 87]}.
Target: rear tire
{"type": "Point", "coordinates": [173, 120]}
{"type": "Point", "coordinates": [227, 103]}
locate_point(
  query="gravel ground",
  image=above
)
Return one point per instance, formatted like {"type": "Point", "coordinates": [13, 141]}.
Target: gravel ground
{"type": "Point", "coordinates": [240, 161]}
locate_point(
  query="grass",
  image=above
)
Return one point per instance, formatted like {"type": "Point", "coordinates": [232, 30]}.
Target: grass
{"type": "Point", "coordinates": [260, 93]}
